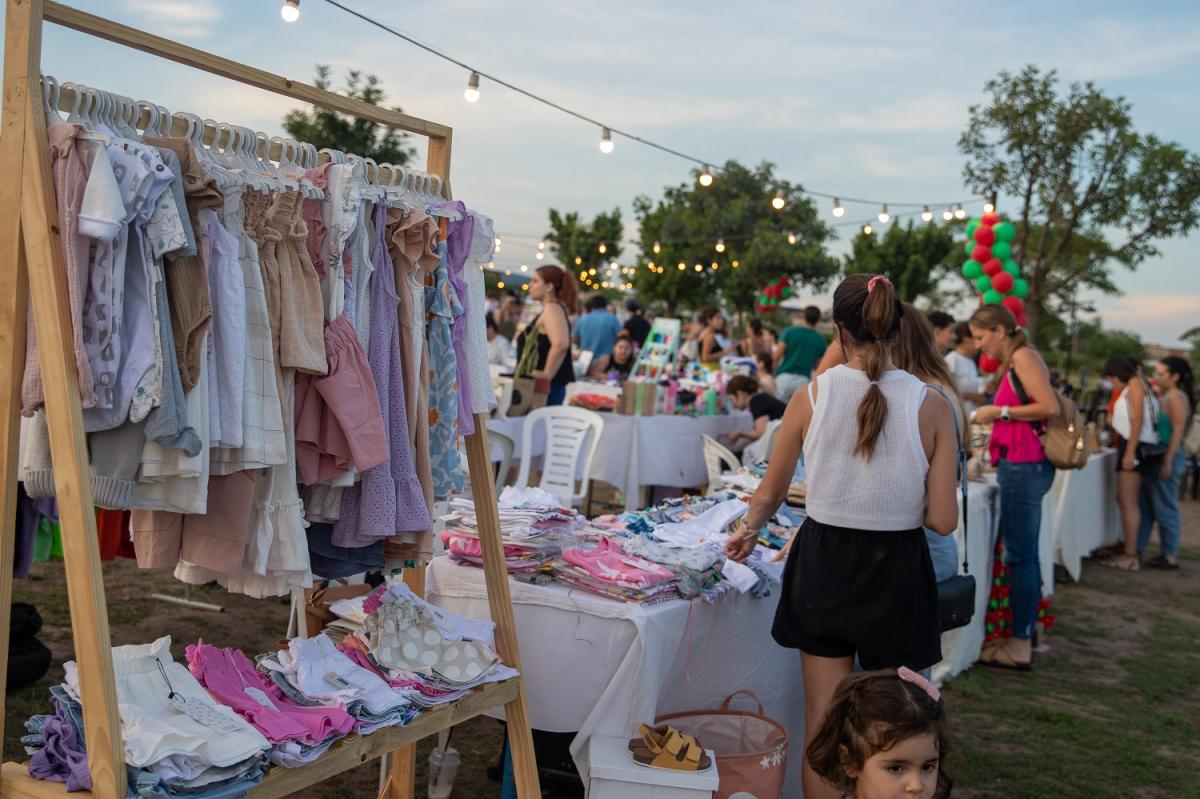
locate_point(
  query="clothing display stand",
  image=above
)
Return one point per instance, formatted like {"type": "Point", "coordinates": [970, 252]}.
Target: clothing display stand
{"type": "Point", "coordinates": [31, 266]}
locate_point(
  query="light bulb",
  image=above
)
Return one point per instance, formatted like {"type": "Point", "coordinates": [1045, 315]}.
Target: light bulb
{"type": "Point", "coordinates": [682, 266]}
{"type": "Point", "coordinates": [947, 214]}
{"type": "Point", "coordinates": [606, 142]}
{"type": "Point", "coordinates": [736, 264]}
{"type": "Point", "coordinates": [508, 273]}
{"type": "Point", "coordinates": [699, 268]}
{"type": "Point", "coordinates": [499, 284]}
{"type": "Point", "coordinates": [990, 205]}
{"type": "Point", "coordinates": [592, 271]}
{"type": "Point", "coordinates": [613, 265]}
{"type": "Point", "coordinates": [471, 93]}
{"type": "Point", "coordinates": [706, 178]}
{"type": "Point", "coordinates": [778, 202]}
{"type": "Point", "coordinates": [578, 260]}
{"type": "Point", "coordinates": [720, 245]}
{"type": "Point", "coordinates": [838, 210]}
{"type": "Point", "coordinates": [791, 238]}
{"type": "Point", "coordinates": [542, 244]}
{"type": "Point", "coordinates": [540, 255]}
{"type": "Point", "coordinates": [926, 214]}
{"type": "Point", "coordinates": [524, 268]}
{"type": "Point", "coordinates": [603, 248]}
{"type": "Point", "coordinates": [884, 216]}
{"type": "Point", "coordinates": [651, 265]}
{"type": "Point", "coordinates": [583, 274]}
{"type": "Point", "coordinates": [959, 213]}
{"type": "Point", "coordinates": [290, 10]}
{"type": "Point", "coordinates": [715, 265]}
{"type": "Point", "coordinates": [524, 287]}
{"type": "Point", "coordinates": [867, 229]}
{"type": "Point", "coordinates": [657, 248]}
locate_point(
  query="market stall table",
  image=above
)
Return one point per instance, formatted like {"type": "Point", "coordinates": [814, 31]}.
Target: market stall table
{"type": "Point", "coordinates": [1079, 515]}
{"type": "Point", "coordinates": [597, 666]}
{"type": "Point", "coordinates": [640, 451]}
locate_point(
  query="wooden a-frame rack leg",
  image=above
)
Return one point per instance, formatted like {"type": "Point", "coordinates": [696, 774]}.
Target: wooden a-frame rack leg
{"type": "Point", "coordinates": [32, 271]}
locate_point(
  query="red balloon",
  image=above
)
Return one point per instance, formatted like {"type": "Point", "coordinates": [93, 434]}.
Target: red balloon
{"type": "Point", "coordinates": [988, 364]}
{"type": "Point", "coordinates": [1015, 305]}
{"type": "Point", "coordinates": [990, 218]}
{"type": "Point", "coordinates": [981, 254]}
{"type": "Point", "coordinates": [993, 267]}
{"type": "Point", "coordinates": [985, 235]}
{"type": "Point", "coordinates": [1002, 282]}
{"type": "Point", "coordinates": [1021, 319]}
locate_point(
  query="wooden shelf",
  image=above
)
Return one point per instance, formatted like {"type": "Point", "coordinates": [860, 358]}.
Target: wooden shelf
{"type": "Point", "coordinates": [15, 782]}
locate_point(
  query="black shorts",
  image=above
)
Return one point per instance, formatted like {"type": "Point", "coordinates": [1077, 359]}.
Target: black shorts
{"type": "Point", "coordinates": [859, 592]}
{"type": "Point", "coordinates": [1118, 442]}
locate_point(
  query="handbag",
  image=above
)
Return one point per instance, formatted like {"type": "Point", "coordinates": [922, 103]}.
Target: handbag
{"type": "Point", "coordinates": [1063, 435]}
{"type": "Point", "coordinates": [956, 596]}
{"type": "Point", "coordinates": [528, 393]}
{"type": "Point", "coordinates": [1149, 456]}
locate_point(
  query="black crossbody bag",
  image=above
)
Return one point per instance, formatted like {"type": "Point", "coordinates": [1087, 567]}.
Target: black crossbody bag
{"type": "Point", "coordinates": [956, 596]}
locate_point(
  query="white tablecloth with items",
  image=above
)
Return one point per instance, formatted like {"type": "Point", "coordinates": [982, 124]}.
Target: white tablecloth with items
{"type": "Point", "coordinates": [597, 666]}
{"type": "Point", "coordinates": [1079, 515]}
{"type": "Point", "coordinates": [637, 451]}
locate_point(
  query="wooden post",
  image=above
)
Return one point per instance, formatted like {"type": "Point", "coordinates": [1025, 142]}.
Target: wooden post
{"type": "Point", "coordinates": [43, 256]}
{"type": "Point", "coordinates": [20, 62]}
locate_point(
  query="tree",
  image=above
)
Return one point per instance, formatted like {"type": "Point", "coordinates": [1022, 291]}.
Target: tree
{"type": "Point", "coordinates": [689, 221]}
{"type": "Point", "coordinates": [1192, 337]}
{"type": "Point", "coordinates": [349, 134]}
{"type": "Point", "coordinates": [1076, 167]}
{"type": "Point", "coordinates": [576, 244]}
{"type": "Point", "coordinates": [1094, 345]}
{"type": "Point", "coordinates": [915, 258]}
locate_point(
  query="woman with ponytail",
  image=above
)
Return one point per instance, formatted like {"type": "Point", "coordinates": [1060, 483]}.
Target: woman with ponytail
{"type": "Point", "coordinates": [880, 454]}
{"type": "Point", "coordinates": [1024, 398]}
{"type": "Point", "coordinates": [1159, 497]}
{"type": "Point", "coordinates": [555, 288]}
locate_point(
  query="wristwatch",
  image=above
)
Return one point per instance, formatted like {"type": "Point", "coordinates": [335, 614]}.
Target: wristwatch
{"type": "Point", "coordinates": [1005, 415]}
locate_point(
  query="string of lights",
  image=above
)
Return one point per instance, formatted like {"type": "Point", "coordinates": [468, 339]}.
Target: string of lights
{"type": "Point", "coordinates": [290, 12]}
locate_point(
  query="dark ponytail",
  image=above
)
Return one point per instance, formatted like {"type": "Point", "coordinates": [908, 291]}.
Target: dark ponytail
{"type": "Point", "coordinates": [1183, 370]}
{"type": "Point", "coordinates": [867, 309]}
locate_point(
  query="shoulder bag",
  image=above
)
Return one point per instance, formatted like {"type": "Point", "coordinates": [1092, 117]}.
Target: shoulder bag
{"type": "Point", "coordinates": [956, 596]}
{"type": "Point", "coordinates": [1149, 456]}
{"type": "Point", "coordinates": [1063, 435]}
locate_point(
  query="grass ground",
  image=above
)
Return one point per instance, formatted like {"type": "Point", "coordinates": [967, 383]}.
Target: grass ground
{"type": "Point", "coordinates": [1112, 710]}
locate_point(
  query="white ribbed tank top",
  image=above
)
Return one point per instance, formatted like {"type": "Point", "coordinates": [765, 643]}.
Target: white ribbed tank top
{"type": "Point", "coordinates": [885, 493]}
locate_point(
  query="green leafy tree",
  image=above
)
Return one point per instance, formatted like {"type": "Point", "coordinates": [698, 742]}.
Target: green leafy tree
{"type": "Point", "coordinates": [1094, 344]}
{"type": "Point", "coordinates": [914, 257]}
{"type": "Point", "coordinates": [1075, 166]}
{"type": "Point", "coordinates": [349, 134]}
{"type": "Point", "coordinates": [576, 243]}
{"type": "Point", "coordinates": [1192, 337]}
{"type": "Point", "coordinates": [689, 220]}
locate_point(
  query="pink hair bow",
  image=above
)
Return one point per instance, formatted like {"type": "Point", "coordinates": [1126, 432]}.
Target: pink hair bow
{"type": "Point", "coordinates": [875, 281]}
{"type": "Point", "coordinates": [908, 675]}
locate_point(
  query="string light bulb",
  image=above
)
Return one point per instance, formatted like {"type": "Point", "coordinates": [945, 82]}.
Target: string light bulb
{"type": "Point", "coordinates": [592, 271]}
{"type": "Point", "coordinates": [657, 248]}
{"type": "Point", "coordinates": [499, 242]}
{"type": "Point", "coordinates": [682, 266]}
{"type": "Point", "coordinates": [884, 216]}
{"type": "Point", "coordinates": [471, 93]}
{"type": "Point", "coordinates": [715, 265]}
{"type": "Point", "coordinates": [926, 214]}
{"type": "Point", "coordinates": [706, 178]}
{"type": "Point", "coordinates": [290, 10]}
{"type": "Point", "coordinates": [990, 205]}
{"type": "Point", "coordinates": [736, 264]}
{"type": "Point", "coordinates": [838, 210]}
{"type": "Point", "coordinates": [542, 244]}
{"type": "Point", "coordinates": [791, 238]}
{"type": "Point", "coordinates": [540, 255]}
{"type": "Point", "coordinates": [959, 213]}
{"type": "Point", "coordinates": [606, 142]}
{"type": "Point", "coordinates": [867, 229]}
{"type": "Point", "coordinates": [524, 267]}
{"type": "Point", "coordinates": [499, 284]}
{"type": "Point", "coordinates": [603, 248]}
{"type": "Point", "coordinates": [578, 260]}
{"type": "Point", "coordinates": [699, 268]}
{"type": "Point", "coordinates": [720, 245]}
{"type": "Point", "coordinates": [947, 214]}
{"type": "Point", "coordinates": [778, 202]}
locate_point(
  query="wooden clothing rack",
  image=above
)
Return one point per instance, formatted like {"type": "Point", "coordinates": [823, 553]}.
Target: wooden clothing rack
{"type": "Point", "coordinates": [31, 265]}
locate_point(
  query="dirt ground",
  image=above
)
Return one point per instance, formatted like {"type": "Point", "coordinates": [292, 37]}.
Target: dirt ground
{"type": "Point", "coordinates": [1112, 709]}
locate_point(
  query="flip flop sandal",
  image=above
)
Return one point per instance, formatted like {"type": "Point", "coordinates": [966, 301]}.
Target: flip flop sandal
{"type": "Point", "coordinates": [1002, 661]}
{"type": "Point", "coordinates": [1161, 562]}
{"type": "Point", "coordinates": [1119, 564]}
{"type": "Point", "coordinates": [667, 749]}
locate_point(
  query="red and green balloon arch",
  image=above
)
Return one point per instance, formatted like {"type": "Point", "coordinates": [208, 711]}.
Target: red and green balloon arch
{"type": "Point", "coordinates": [773, 294]}
{"type": "Point", "coordinates": [991, 268]}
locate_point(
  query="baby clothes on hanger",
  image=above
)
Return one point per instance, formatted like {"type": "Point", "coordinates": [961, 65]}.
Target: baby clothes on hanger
{"type": "Point", "coordinates": [460, 233]}
{"type": "Point", "coordinates": [475, 345]}
{"type": "Point", "coordinates": [440, 305]}
{"type": "Point", "coordinates": [227, 354]}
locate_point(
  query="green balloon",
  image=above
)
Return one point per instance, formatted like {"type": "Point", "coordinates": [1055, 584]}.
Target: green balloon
{"type": "Point", "coordinates": [1012, 268]}
{"type": "Point", "coordinates": [972, 269]}
{"type": "Point", "coordinates": [972, 226]}
{"type": "Point", "coordinates": [1005, 231]}
{"type": "Point", "coordinates": [969, 246]}
{"type": "Point", "coordinates": [786, 292]}
{"type": "Point", "coordinates": [983, 282]}
{"type": "Point", "coordinates": [1002, 250]}
{"type": "Point", "coordinates": [992, 297]}
{"type": "Point", "coordinates": [1020, 288]}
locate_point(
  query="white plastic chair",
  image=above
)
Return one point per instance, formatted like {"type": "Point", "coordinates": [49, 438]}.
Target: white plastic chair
{"type": "Point", "coordinates": [571, 435]}
{"type": "Point", "coordinates": [503, 386]}
{"type": "Point", "coordinates": [717, 455]}
{"type": "Point", "coordinates": [507, 447]}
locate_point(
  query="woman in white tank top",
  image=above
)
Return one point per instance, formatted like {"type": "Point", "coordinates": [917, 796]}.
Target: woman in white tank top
{"type": "Point", "coordinates": [880, 453]}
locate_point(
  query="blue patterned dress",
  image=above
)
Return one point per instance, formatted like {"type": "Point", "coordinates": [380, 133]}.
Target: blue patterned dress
{"type": "Point", "coordinates": [440, 311]}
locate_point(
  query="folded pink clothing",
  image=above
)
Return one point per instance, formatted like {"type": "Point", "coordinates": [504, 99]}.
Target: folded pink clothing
{"type": "Point", "coordinates": [610, 564]}
{"type": "Point", "coordinates": [232, 680]}
{"type": "Point", "coordinates": [339, 421]}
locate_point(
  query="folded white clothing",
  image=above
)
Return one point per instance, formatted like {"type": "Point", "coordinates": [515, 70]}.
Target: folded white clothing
{"type": "Point", "coordinates": [708, 526]}
{"type": "Point", "coordinates": [319, 670]}
{"type": "Point", "coordinates": [452, 626]}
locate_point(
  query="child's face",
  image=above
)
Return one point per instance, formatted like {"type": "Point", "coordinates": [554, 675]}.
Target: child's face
{"type": "Point", "coordinates": [906, 771]}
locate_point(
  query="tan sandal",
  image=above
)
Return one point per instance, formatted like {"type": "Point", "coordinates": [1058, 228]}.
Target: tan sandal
{"type": "Point", "coordinates": [1122, 562]}
{"type": "Point", "coordinates": [999, 658]}
{"type": "Point", "coordinates": [666, 748]}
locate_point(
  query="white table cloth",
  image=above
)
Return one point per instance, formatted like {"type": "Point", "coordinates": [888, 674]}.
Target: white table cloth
{"type": "Point", "coordinates": [639, 451]}
{"type": "Point", "coordinates": [1080, 515]}
{"type": "Point", "coordinates": [601, 667]}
